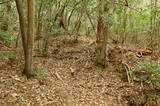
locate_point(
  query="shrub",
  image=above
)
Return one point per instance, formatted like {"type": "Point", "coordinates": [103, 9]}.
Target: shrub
{"type": "Point", "coordinates": [41, 74]}
{"type": "Point", "coordinates": [148, 72]}
{"type": "Point", "coordinates": [7, 37]}
{"type": "Point", "coordinates": [58, 31]}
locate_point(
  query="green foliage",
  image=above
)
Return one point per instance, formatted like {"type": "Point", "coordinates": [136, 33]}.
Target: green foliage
{"type": "Point", "coordinates": [122, 73]}
{"type": "Point", "coordinates": [58, 31]}
{"type": "Point", "coordinates": [99, 69]}
{"type": "Point", "coordinates": [142, 19]}
{"type": "Point", "coordinates": [8, 55]}
{"type": "Point", "coordinates": [1, 20]}
{"type": "Point", "coordinates": [7, 37]}
{"type": "Point", "coordinates": [44, 51]}
{"type": "Point", "coordinates": [109, 20]}
{"type": "Point", "coordinates": [41, 73]}
{"type": "Point", "coordinates": [148, 72]}
{"type": "Point", "coordinates": [152, 94]}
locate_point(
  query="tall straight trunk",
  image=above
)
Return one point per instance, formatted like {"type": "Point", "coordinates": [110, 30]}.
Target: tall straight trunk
{"type": "Point", "coordinates": [88, 15]}
{"type": "Point", "coordinates": [22, 22]}
{"type": "Point", "coordinates": [101, 38]}
{"type": "Point", "coordinates": [78, 24]}
{"type": "Point", "coordinates": [71, 13]}
{"type": "Point", "coordinates": [30, 38]}
{"type": "Point", "coordinates": [124, 25]}
{"type": "Point", "coordinates": [155, 23]}
{"type": "Point", "coordinates": [151, 23]}
{"type": "Point", "coordinates": [22, 25]}
{"type": "Point", "coordinates": [39, 24]}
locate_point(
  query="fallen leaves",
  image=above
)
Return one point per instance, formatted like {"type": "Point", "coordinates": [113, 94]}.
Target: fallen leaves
{"type": "Point", "coordinates": [71, 78]}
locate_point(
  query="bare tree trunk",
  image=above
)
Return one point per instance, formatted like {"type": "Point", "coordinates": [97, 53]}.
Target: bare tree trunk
{"type": "Point", "coordinates": [22, 25]}
{"type": "Point", "coordinates": [39, 24]}
{"type": "Point", "coordinates": [101, 38]}
{"type": "Point", "coordinates": [22, 28]}
{"type": "Point", "coordinates": [69, 18]}
{"type": "Point", "coordinates": [31, 22]}
{"type": "Point", "coordinates": [77, 24]}
{"type": "Point", "coordinates": [61, 21]}
{"type": "Point", "coordinates": [124, 24]}
{"type": "Point", "coordinates": [91, 22]}
{"type": "Point", "coordinates": [151, 24]}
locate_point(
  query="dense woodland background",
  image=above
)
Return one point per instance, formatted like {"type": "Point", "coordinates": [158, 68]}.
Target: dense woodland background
{"type": "Point", "coordinates": [80, 52]}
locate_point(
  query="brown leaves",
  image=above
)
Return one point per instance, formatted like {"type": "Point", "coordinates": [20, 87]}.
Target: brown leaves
{"type": "Point", "coordinates": [71, 77]}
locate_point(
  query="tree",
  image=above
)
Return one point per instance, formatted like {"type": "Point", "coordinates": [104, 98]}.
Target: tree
{"type": "Point", "coordinates": [30, 39]}
{"type": "Point", "coordinates": [22, 22]}
{"type": "Point", "coordinates": [27, 34]}
{"type": "Point", "coordinates": [101, 37]}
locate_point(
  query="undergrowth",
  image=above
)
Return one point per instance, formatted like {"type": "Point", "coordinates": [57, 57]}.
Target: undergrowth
{"type": "Point", "coordinates": [41, 75]}
{"type": "Point", "coordinates": [148, 72]}
{"type": "Point", "coordinates": [7, 37]}
{"type": "Point", "coordinates": [9, 55]}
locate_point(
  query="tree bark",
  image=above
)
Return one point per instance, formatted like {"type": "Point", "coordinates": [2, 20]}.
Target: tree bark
{"type": "Point", "coordinates": [22, 25]}
{"type": "Point", "coordinates": [30, 41]}
{"type": "Point", "coordinates": [101, 38]}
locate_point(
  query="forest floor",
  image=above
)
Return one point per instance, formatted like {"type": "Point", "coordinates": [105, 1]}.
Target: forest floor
{"type": "Point", "coordinates": [67, 76]}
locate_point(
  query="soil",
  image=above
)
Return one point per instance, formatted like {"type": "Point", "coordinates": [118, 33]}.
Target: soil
{"type": "Point", "coordinates": [67, 76]}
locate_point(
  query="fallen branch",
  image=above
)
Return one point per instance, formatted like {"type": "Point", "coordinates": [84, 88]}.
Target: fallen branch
{"type": "Point", "coordinates": [58, 76]}
{"type": "Point", "coordinates": [127, 69]}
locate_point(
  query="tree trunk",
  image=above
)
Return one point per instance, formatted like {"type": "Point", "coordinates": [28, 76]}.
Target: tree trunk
{"type": "Point", "coordinates": [22, 25]}
{"type": "Point", "coordinates": [101, 38]}
{"type": "Point", "coordinates": [30, 41]}
{"type": "Point", "coordinates": [22, 28]}
{"type": "Point", "coordinates": [39, 24]}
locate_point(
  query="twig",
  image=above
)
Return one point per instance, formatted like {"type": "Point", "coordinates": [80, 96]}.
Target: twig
{"type": "Point", "coordinates": [102, 76]}
{"type": "Point", "coordinates": [128, 77]}
{"type": "Point", "coordinates": [57, 75]}
{"type": "Point", "coordinates": [124, 86]}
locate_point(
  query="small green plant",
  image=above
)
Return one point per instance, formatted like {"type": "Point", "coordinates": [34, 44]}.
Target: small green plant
{"type": "Point", "coordinates": [7, 37]}
{"type": "Point", "coordinates": [58, 31]}
{"type": "Point", "coordinates": [99, 69]}
{"type": "Point", "coordinates": [122, 73]}
{"type": "Point", "coordinates": [8, 55]}
{"type": "Point", "coordinates": [152, 93]}
{"type": "Point", "coordinates": [43, 51]}
{"type": "Point", "coordinates": [148, 72]}
{"type": "Point", "coordinates": [41, 73]}
{"type": "Point", "coordinates": [110, 20]}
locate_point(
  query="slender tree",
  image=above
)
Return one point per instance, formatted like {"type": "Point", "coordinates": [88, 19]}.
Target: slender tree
{"type": "Point", "coordinates": [101, 37]}
{"type": "Point", "coordinates": [30, 38]}
{"type": "Point", "coordinates": [22, 22]}
{"type": "Point", "coordinates": [27, 34]}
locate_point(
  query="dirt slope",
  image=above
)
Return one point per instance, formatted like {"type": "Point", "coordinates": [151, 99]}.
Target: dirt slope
{"type": "Point", "coordinates": [66, 77]}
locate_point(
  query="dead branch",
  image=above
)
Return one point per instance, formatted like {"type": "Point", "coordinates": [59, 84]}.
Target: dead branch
{"type": "Point", "coordinates": [128, 69]}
